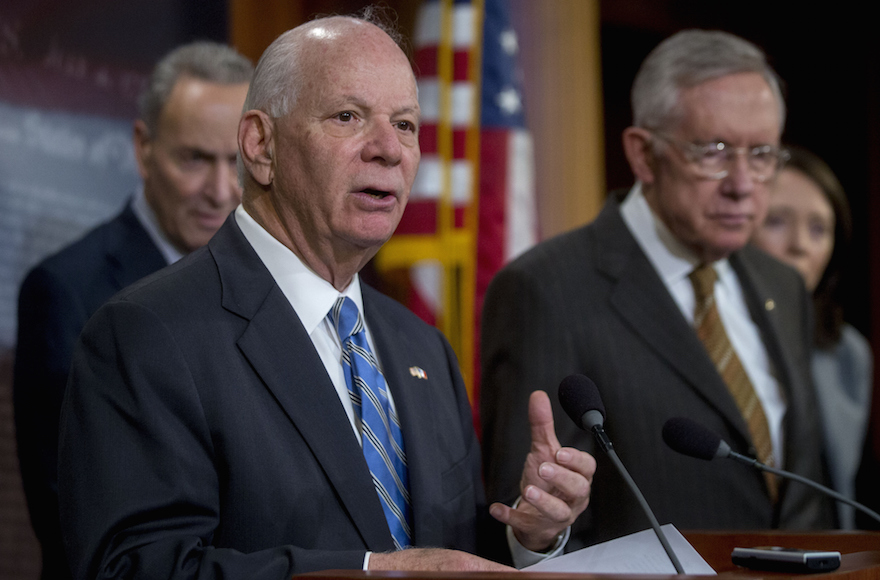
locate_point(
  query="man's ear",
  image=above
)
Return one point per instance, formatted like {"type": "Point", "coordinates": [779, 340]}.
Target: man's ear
{"type": "Point", "coordinates": [256, 146]}
{"type": "Point", "coordinates": [143, 147]}
{"type": "Point", "coordinates": [640, 153]}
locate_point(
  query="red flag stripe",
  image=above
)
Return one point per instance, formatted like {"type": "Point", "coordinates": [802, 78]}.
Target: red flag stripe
{"type": "Point", "coordinates": [420, 217]}
{"type": "Point", "coordinates": [428, 141]}
{"type": "Point", "coordinates": [426, 63]}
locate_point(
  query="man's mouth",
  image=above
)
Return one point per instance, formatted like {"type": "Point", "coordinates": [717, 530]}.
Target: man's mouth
{"type": "Point", "coordinates": [376, 193]}
{"type": "Point", "coordinates": [733, 218]}
{"type": "Point", "coordinates": [210, 218]}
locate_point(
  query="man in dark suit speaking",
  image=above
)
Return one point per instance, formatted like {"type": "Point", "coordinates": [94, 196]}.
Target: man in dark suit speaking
{"type": "Point", "coordinates": [185, 144]}
{"type": "Point", "coordinates": [254, 411]}
{"type": "Point", "coordinates": [662, 303]}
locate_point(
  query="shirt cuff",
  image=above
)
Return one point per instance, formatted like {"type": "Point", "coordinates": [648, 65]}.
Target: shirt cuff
{"type": "Point", "coordinates": [367, 561]}
{"type": "Point", "coordinates": [523, 557]}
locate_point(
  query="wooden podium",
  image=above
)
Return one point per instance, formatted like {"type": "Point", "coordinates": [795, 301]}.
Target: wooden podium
{"type": "Point", "coordinates": [860, 559]}
{"type": "Point", "coordinates": [860, 551]}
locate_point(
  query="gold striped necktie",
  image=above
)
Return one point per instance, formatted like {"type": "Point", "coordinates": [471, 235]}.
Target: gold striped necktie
{"type": "Point", "coordinates": [710, 329]}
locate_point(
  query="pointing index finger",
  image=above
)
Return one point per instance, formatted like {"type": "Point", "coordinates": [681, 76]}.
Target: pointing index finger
{"type": "Point", "coordinates": [541, 422]}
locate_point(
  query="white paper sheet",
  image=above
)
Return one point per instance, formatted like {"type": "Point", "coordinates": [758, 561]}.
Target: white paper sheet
{"type": "Point", "coordinates": [639, 553]}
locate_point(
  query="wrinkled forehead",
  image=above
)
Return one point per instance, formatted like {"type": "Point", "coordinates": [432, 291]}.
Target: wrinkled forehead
{"type": "Point", "coordinates": [734, 107]}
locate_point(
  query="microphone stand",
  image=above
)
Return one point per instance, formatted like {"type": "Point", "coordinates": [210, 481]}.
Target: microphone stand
{"type": "Point", "coordinates": [608, 448]}
{"type": "Point", "coordinates": [799, 478]}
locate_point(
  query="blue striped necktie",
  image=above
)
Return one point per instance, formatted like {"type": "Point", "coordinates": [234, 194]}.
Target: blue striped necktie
{"type": "Point", "coordinates": [380, 429]}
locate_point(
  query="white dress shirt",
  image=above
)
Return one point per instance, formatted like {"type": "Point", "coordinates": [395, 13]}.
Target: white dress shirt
{"type": "Point", "coordinates": [674, 262]}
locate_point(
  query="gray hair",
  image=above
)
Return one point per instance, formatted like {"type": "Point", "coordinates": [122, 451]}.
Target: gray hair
{"type": "Point", "coordinates": [690, 58]}
{"type": "Point", "coordinates": [206, 61]}
{"type": "Point", "coordinates": [278, 76]}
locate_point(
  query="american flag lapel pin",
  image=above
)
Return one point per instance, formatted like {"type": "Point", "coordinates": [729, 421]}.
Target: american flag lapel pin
{"type": "Point", "coordinates": [418, 373]}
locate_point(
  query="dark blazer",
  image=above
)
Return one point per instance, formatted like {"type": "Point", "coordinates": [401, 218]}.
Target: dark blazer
{"type": "Point", "coordinates": [590, 302]}
{"type": "Point", "coordinates": [201, 435]}
{"type": "Point", "coordinates": [57, 298]}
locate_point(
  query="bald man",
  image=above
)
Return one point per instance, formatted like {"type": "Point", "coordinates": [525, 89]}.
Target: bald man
{"type": "Point", "coordinates": [255, 411]}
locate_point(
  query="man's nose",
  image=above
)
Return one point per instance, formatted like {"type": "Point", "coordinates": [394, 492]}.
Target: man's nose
{"type": "Point", "coordinates": [383, 144]}
{"type": "Point", "coordinates": [741, 179]}
{"type": "Point", "coordinates": [222, 187]}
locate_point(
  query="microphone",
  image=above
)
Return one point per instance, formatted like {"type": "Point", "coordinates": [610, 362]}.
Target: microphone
{"type": "Point", "coordinates": [580, 399]}
{"type": "Point", "coordinates": [688, 437]}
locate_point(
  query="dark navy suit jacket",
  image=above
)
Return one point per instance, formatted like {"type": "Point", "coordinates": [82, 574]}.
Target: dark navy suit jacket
{"type": "Point", "coordinates": [202, 437]}
{"type": "Point", "coordinates": [57, 298]}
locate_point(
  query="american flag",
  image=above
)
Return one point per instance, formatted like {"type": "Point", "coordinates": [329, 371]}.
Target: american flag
{"type": "Point", "coordinates": [477, 168]}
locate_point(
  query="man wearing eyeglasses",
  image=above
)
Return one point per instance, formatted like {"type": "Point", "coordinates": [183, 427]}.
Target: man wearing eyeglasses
{"type": "Point", "coordinates": [664, 305]}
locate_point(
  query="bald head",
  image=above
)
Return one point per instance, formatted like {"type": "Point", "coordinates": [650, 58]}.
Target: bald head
{"type": "Point", "coordinates": [293, 58]}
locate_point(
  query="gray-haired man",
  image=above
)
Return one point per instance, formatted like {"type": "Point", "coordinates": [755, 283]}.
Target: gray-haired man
{"type": "Point", "coordinates": [624, 301]}
{"type": "Point", "coordinates": [185, 144]}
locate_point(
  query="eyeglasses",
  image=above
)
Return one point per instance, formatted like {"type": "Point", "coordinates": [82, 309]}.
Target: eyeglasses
{"type": "Point", "coordinates": [712, 160]}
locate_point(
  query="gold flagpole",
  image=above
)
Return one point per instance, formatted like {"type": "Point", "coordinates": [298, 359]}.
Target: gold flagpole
{"type": "Point", "coordinates": [468, 288]}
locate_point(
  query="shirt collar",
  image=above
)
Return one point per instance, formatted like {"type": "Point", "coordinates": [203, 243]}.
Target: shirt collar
{"type": "Point", "coordinates": [150, 222]}
{"type": "Point", "coordinates": [672, 260]}
{"type": "Point", "coordinates": [310, 295]}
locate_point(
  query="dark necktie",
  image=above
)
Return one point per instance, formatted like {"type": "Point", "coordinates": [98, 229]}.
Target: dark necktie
{"type": "Point", "coordinates": [710, 329]}
{"type": "Point", "coordinates": [380, 429]}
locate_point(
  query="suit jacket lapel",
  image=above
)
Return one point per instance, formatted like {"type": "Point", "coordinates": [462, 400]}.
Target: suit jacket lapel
{"type": "Point", "coordinates": [413, 400]}
{"type": "Point", "coordinates": [641, 299]}
{"type": "Point", "coordinates": [283, 357]}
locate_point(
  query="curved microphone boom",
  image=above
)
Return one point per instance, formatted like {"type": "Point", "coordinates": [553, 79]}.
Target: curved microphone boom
{"type": "Point", "coordinates": [580, 399]}
{"type": "Point", "coordinates": [688, 437]}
